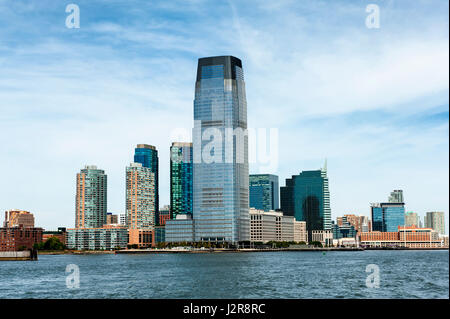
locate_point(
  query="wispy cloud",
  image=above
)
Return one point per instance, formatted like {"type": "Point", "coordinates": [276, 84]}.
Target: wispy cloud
{"type": "Point", "coordinates": [375, 102]}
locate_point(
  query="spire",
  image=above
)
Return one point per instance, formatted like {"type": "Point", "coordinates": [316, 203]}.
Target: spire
{"type": "Point", "coordinates": [324, 169]}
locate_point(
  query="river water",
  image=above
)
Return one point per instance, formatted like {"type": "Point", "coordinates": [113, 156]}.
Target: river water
{"type": "Point", "coordinates": [402, 274]}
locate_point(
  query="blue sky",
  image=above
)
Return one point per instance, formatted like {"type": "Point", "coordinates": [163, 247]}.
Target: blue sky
{"type": "Point", "coordinates": [373, 101]}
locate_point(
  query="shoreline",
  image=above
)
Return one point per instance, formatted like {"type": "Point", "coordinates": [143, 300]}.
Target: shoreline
{"type": "Point", "coordinates": [203, 251]}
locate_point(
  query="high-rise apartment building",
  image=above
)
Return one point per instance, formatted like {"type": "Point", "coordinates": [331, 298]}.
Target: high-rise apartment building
{"type": "Point", "coordinates": [306, 197]}
{"type": "Point", "coordinates": [90, 202]}
{"type": "Point", "coordinates": [15, 217]}
{"type": "Point", "coordinates": [436, 221]}
{"type": "Point", "coordinates": [147, 155]}
{"type": "Point", "coordinates": [140, 204]}
{"type": "Point", "coordinates": [412, 219]}
{"type": "Point", "coordinates": [263, 191]}
{"type": "Point", "coordinates": [220, 146]}
{"type": "Point", "coordinates": [396, 196]}
{"type": "Point", "coordinates": [181, 179]}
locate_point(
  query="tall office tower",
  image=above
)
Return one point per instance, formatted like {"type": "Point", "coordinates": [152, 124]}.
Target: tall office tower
{"type": "Point", "coordinates": [147, 155]}
{"type": "Point", "coordinates": [435, 220]}
{"type": "Point", "coordinates": [140, 197]}
{"type": "Point", "coordinates": [386, 217]}
{"type": "Point", "coordinates": [181, 192]}
{"type": "Point", "coordinates": [264, 189]}
{"type": "Point", "coordinates": [90, 202]}
{"type": "Point", "coordinates": [396, 196]}
{"type": "Point", "coordinates": [220, 145]}
{"type": "Point", "coordinates": [307, 197]}
{"type": "Point", "coordinates": [411, 219]}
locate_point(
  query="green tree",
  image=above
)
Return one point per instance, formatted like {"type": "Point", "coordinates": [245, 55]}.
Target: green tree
{"type": "Point", "coordinates": [316, 243]}
{"type": "Point", "coordinates": [53, 243]}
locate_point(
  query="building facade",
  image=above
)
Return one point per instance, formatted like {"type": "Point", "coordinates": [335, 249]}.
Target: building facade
{"type": "Point", "coordinates": [61, 234]}
{"type": "Point", "coordinates": [181, 179]}
{"type": "Point", "coordinates": [19, 238]}
{"type": "Point", "coordinates": [270, 226]}
{"type": "Point", "coordinates": [263, 191]}
{"type": "Point", "coordinates": [180, 229]}
{"type": "Point", "coordinates": [361, 223]}
{"type": "Point", "coordinates": [91, 201]}
{"type": "Point", "coordinates": [410, 237]}
{"type": "Point", "coordinates": [396, 196]}
{"type": "Point", "coordinates": [412, 219]}
{"type": "Point", "coordinates": [164, 215]}
{"type": "Point", "coordinates": [112, 218]}
{"type": "Point", "coordinates": [325, 237]}
{"type": "Point", "coordinates": [108, 237]}
{"type": "Point", "coordinates": [17, 217]}
{"type": "Point", "coordinates": [300, 232]}
{"type": "Point", "coordinates": [386, 217]}
{"type": "Point", "coordinates": [345, 230]}
{"type": "Point", "coordinates": [220, 147]}
{"type": "Point", "coordinates": [306, 197]}
{"type": "Point", "coordinates": [147, 155]}
{"type": "Point", "coordinates": [436, 221]}
{"type": "Point", "coordinates": [140, 204]}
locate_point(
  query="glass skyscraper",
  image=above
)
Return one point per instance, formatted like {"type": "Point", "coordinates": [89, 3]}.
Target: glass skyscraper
{"type": "Point", "coordinates": [307, 197]}
{"type": "Point", "coordinates": [181, 191]}
{"type": "Point", "coordinates": [90, 202]}
{"type": "Point", "coordinates": [221, 200]}
{"type": "Point", "coordinates": [147, 155]}
{"type": "Point", "coordinates": [264, 191]}
{"type": "Point", "coordinates": [386, 217]}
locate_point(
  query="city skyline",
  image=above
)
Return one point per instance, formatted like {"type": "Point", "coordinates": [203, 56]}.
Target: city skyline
{"type": "Point", "coordinates": [398, 140]}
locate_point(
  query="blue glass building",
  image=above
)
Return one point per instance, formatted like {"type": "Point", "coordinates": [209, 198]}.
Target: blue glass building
{"type": "Point", "coordinates": [147, 155]}
{"type": "Point", "coordinates": [306, 197]}
{"type": "Point", "coordinates": [181, 188]}
{"type": "Point", "coordinates": [386, 217]}
{"type": "Point", "coordinates": [264, 189]}
{"type": "Point", "coordinates": [220, 146]}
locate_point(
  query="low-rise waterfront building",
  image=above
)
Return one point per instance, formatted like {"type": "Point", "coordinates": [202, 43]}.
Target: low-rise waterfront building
{"type": "Point", "coordinates": [410, 237]}
{"type": "Point", "coordinates": [325, 237]}
{"type": "Point", "coordinates": [180, 229]}
{"type": "Point", "coordinates": [108, 237]}
{"type": "Point", "coordinates": [270, 226]}
{"type": "Point", "coordinates": [159, 235]}
{"type": "Point", "coordinates": [345, 242]}
{"type": "Point", "coordinates": [140, 238]}
{"type": "Point", "coordinates": [345, 230]}
{"type": "Point", "coordinates": [19, 237]}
